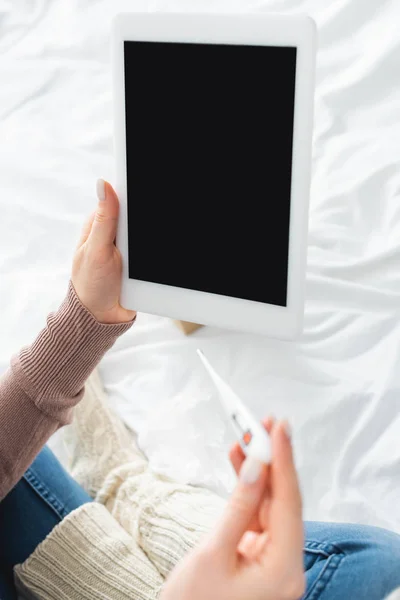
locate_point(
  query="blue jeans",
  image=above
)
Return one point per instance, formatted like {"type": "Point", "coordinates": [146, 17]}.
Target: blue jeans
{"type": "Point", "coordinates": [342, 562]}
{"type": "Point", "coordinates": [350, 562]}
{"type": "Point", "coordinates": [40, 500]}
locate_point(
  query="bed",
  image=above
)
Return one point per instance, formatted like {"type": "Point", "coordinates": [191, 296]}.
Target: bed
{"type": "Point", "coordinates": [339, 384]}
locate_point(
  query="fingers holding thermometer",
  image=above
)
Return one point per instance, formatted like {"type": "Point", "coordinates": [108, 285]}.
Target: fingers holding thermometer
{"type": "Point", "coordinates": [280, 545]}
{"type": "Point", "coordinates": [272, 564]}
{"type": "Point", "coordinates": [259, 522]}
{"type": "Point", "coordinates": [258, 532]}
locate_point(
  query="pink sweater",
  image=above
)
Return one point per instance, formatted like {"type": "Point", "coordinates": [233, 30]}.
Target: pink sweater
{"type": "Point", "coordinates": [45, 381]}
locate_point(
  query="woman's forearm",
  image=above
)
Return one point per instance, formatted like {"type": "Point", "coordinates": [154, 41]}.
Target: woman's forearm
{"type": "Point", "coordinates": [45, 381]}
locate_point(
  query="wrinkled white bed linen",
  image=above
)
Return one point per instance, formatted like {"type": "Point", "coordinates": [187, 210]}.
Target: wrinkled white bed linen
{"type": "Point", "coordinates": [339, 385]}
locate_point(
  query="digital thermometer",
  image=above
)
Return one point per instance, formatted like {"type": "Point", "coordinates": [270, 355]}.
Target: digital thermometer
{"type": "Point", "coordinates": [253, 438]}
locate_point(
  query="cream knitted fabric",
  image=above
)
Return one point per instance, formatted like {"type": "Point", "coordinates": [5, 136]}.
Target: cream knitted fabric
{"type": "Point", "coordinates": [98, 441]}
{"type": "Point", "coordinates": [88, 556]}
{"type": "Point", "coordinates": [165, 518]}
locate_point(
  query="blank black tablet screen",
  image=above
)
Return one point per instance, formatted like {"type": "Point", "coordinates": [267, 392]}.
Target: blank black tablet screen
{"type": "Point", "coordinates": [209, 131]}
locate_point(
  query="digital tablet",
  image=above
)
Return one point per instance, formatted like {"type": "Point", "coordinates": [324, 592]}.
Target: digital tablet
{"type": "Point", "coordinates": [213, 129]}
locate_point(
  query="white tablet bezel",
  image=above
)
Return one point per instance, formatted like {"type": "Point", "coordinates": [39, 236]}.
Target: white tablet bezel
{"type": "Point", "coordinates": [252, 29]}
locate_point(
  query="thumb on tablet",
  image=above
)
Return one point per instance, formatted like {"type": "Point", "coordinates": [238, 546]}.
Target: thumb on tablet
{"type": "Point", "coordinates": [104, 228]}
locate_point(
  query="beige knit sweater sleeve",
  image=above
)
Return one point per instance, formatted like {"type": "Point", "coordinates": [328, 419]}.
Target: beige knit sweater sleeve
{"type": "Point", "coordinates": [45, 382]}
{"type": "Point", "coordinates": [88, 556]}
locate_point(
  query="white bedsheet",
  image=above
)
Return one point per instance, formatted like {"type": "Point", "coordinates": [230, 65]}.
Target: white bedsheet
{"type": "Point", "coordinates": [339, 385]}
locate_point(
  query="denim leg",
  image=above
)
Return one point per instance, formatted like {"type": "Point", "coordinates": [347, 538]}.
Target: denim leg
{"type": "Point", "coordinates": [350, 562]}
{"type": "Point", "coordinates": [40, 500]}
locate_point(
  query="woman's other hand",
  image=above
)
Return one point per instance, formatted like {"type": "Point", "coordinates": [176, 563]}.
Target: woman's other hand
{"type": "Point", "coordinates": [270, 565]}
{"type": "Point", "coordinates": [97, 264]}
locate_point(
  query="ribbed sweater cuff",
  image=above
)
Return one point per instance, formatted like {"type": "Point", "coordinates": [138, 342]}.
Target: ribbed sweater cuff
{"type": "Point", "coordinates": [52, 371]}
{"type": "Point", "coordinates": [88, 556]}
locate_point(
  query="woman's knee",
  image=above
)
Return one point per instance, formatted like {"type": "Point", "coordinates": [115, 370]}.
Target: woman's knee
{"type": "Point", "coordinates": [360, 561]}
{"type": "Point", "coordinates": [350, 537]}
